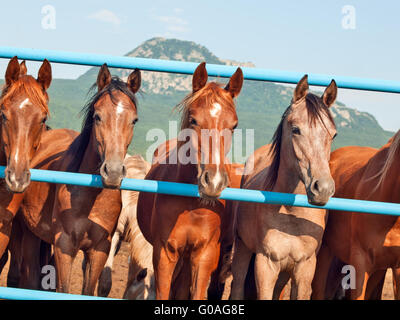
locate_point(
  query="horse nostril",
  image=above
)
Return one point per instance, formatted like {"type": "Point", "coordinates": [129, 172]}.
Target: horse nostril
{"type": "Point", "coordinates": [316, 186]}
{"type": "Point", "coordinates": [206, 179]}
{"type": "Point", "coordinates": [123, 170]}
{"type": "Point", "coordinates": [105, 169]}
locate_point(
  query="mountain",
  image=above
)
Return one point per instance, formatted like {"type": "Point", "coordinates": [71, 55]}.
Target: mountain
{"type": "Point", "coordinates": [260, 104]}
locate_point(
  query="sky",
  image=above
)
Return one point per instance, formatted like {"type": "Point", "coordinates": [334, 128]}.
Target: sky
{"type": "Point", "coordinates": [308, 36]}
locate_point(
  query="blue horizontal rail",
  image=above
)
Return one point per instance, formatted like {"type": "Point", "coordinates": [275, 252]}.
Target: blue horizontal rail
{"type": "Point", "coordinates": [25, 294]}
{"type": "Point", "coordinates": [190, 190]}
{"type": "Point", "coordinates": [124, 62]}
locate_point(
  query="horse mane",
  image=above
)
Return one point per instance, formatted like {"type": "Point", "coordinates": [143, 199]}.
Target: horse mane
{"type": "Point", "coordinates": [79, 145]}
{"type": "Point", "coordinates": [391, 157]}
{"type": "Point", "coordinates": [315, 109]}
{"type": "Point", "coordinates": [28, 85]}
{"type": "Point", "coordinates": [211, 93]}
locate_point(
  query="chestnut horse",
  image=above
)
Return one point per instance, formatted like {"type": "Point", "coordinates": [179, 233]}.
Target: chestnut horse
{"type": "Point", "coordinates": [24, 110]}
{"type": "Point", "coordinates": [285, 239]}
{"type": "Point", "coordinates": [187, 233]}
{"type": "Point", "coordinates": [82, 218]}
{"type": "Point", "coordinates": [368, 242]}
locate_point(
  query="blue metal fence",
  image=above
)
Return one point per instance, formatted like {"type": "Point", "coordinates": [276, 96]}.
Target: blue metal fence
{"type": "Point", "coordinates": [188, 189]}
{"type": "Point", "coordinates": [124, 62]}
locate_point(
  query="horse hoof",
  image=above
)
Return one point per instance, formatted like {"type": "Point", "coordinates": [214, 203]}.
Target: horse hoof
{"type": "Point", "coordinates": [105, 283]}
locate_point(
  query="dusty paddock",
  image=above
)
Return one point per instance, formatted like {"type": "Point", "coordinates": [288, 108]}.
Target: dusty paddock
{"type": "Point", "coordinates": [120, 275]}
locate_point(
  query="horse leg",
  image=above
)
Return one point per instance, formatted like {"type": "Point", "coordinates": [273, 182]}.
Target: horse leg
{"type": "Point", "coordinates": [85, 269]}
{"type": "Point", "coordinates": [240, 265]}
{"type": "Point", "coordinates": [203, 263]}
{"type": "Point", "coordinates": [396, 283]}
{"type": "Point", "coordinates": [324, 260]}
{"type": "Point", "coordinates": [64, 255]}
{"type": "Point", "coordinates": [164, 262]}
{"type": "Point", "coordinates": [266, 274]}
{"type": "Point", "coordinates": [105, 280]}
{"type": "Point", "coordinates": [221, 278]}
{"type": "Point", "coordinates": [362, 276]}
{"type": "Point", "coordinates": [375, 285]}
{"type": "Point", "coordinates": [5, 232]}
{"type": "Point", "coordinates": [30, 267]}
{"type": "Point", "coordinates": [303, 275]}
{"type": "Point", "coordinates": [180, 287]}
{"type": "Point", "coordinates": [15, 247]}
{"type": "Point", "coordinates": [96, 259]}
{"type": "Point", "coordinates": [3, 260]}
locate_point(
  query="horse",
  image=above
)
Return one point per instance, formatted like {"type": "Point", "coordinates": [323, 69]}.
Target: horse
{"type": "Point", "coordinates": [74, 218]}
{"type": "Point", "coordinates": [368, 242]}
{"type": "Point", "coordinates": [23, 111]}
{"type": "Point", "coordinates": [128, 230]}
{"type": "Point", "coordinates": [285, 239]}
{"type": "Point", "coordinates": [140, 283]}
{"type": "Point", "coordinates": [188, 233]}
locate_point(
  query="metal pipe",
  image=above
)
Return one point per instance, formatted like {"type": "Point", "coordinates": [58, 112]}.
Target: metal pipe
{"type": "Point", "coordinates": [25, 294]}
{"type": "Point", "coordinates": [190, 190]}
{"type": "Point", "coordinates": [91, 59]}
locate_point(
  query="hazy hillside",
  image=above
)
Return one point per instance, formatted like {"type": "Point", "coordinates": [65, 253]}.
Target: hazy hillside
{"type": "Point", "coordinates": [260, 104]}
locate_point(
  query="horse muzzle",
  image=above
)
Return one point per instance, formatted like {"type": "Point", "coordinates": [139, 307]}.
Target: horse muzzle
{"type": "Point", "coordinates": [212, 183]}
{"type": "Point", "coordinates": [112, 173]}
{"type": "Point", "coordinates": [16, 181]}
{"type": "Point", "coordinates": [320, 191]}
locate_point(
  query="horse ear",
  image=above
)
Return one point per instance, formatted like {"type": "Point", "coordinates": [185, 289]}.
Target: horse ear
{"type": "Point", "coordinates": [12, 72]}
{"type": "Point", "coordinates": [330, 94]}
{"type": "Point", "coordinates": [200, 77]}
{"type": "Point", "coordinates": [235, 83]}
{"type": "Point", "coordinates": [301, 89]}
{"type": "Point", "coordinates": [22, 68]}
{"type": "Point", "coordinates": [134, 80]}
{"type": "Point", "coordinates": [103, 78]}
{"type": "Point", "coordinates": [141, 275]}
{"type": "Point", "coordinates": [44, 74]}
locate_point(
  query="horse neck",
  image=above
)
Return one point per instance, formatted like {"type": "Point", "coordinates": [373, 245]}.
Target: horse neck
{"type": "Point", "coordinates": [187, 173]}
{"type": "Point", "coordinates": [288, 180]}
{"type": "Point", "coordinates": [91, 160]}
{"type": "Point", "coordinates": [389, 188]}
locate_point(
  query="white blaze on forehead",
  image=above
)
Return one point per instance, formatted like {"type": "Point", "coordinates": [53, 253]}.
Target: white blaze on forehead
{"type": "Point", "coordinates": [24, 103]}
{"type": "Point", "coordinates": [120, 107]}
{"type": "Point", "coordinates": [215, 110]}
{"type": "Point", "coordinates": [16, 156]}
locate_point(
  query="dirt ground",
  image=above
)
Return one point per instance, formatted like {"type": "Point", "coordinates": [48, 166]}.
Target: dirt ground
{"type": "Point", "coordinates": [120, 275]}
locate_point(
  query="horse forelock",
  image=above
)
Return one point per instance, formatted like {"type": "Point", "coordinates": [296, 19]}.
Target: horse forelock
{"type": "Point", "coordinates": [210, 94]}
{"type": "Point", "coordinates": [28, 85]}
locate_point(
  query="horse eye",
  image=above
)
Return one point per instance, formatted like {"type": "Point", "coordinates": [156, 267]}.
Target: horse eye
{"type": "Point", "coordinates": [44, 120]}
{"type": "Point", "coordinates": [193, 122]}
{"type": "Point", "coordinates": [296, 130]}
{"type": "Point", "coordinates": [3, 117]}
{"type": "Point", "coordinates": [97, 118]}
{"type": "Point", "coordinates": [135, 121]}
